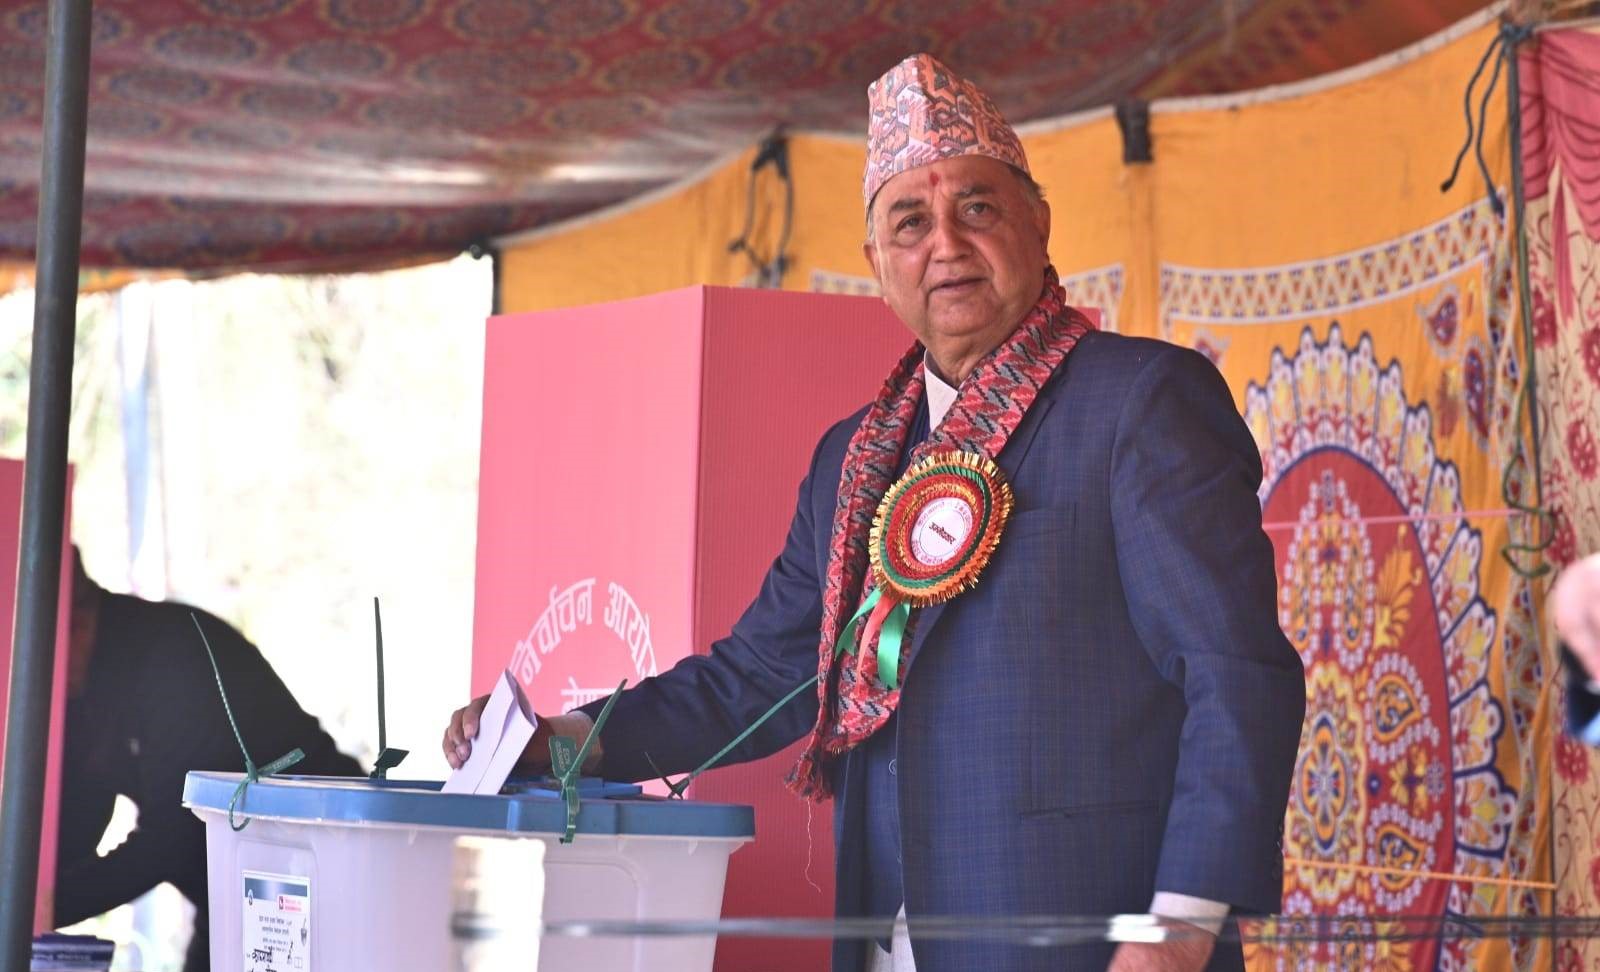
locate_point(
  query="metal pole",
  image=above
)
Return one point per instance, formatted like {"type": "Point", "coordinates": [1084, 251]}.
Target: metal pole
{"type": "Point", "coordinates": [45, 477]}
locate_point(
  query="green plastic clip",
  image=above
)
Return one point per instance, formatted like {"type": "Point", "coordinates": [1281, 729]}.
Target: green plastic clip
{"type": "Point", "coordinates": [563, 757]}
{"type": "Point", "coordinates": [566, 763]}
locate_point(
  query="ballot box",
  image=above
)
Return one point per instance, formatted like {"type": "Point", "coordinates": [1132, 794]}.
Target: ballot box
{"type": "Point", "coordinates": [334, 875]}
{"type": "Point", "coordinates": [638, 474]}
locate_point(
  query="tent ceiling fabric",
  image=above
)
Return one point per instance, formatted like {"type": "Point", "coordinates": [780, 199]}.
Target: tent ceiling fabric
{"type": "Point", "coordinates": [338, 134]}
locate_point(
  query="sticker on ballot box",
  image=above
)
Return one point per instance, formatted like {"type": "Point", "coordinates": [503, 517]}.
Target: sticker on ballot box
{"type": "Point", "coordinates": [275, 919]}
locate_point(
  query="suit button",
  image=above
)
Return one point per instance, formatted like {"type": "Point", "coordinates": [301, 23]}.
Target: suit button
{"type": "Point", "coordinates": [891, 767]}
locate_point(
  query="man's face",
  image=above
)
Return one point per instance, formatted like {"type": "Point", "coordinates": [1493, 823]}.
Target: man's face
{"type": "Point", "coordinates": [958, 248]}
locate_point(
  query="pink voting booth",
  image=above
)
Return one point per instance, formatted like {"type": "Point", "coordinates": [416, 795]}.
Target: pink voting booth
{"type": "Point", "coordinates": [10, 551]}
{"type": "Point", "coordinates": [639, 470]}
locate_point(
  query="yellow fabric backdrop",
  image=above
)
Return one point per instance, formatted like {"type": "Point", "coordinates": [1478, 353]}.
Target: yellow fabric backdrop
{"type": "Point", "coordinates": [680, 238]}
{"type": "Point", "coordinates": [1365, 319]}
{"type": "Point", "coordinates": [1561, 147]}
{"type": "Point", "coordinates": [675, 239]}
{"type": "Point", "coordinates": [1366, 322]}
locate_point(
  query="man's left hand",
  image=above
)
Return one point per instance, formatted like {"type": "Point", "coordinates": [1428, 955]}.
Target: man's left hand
{"type": "Point", "coordinates": [1188, 952]}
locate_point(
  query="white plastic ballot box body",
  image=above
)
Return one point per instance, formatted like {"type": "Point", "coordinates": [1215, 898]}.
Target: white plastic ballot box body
{"type": "Point", "coordinates": [335, 875]}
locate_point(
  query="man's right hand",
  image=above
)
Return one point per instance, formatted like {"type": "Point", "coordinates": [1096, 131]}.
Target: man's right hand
{"type": "Point", "coordinates": [535, 761]}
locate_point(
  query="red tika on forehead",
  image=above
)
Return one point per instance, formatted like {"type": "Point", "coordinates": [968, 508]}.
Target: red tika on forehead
{"type": "Point", "coordinates": [922, 112]}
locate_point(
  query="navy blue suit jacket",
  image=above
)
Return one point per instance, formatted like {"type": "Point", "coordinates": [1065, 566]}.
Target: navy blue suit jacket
{"type": "Point", "coordinates": [1112, 711]}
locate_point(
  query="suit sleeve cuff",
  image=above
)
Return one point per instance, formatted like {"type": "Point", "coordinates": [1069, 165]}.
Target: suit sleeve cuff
{"type": "Point", "coordinates": [1200, 912]}
{"type": "Point", "coordinates": [580, 720]}
{"type": "Point", "coordinates": [1583, 700]}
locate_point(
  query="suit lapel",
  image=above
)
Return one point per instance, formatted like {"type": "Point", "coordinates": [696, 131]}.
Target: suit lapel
{"type": "Point", "coordinates": [1010, 460]}
{"type": "Point", "coordinates": [1017, 446]}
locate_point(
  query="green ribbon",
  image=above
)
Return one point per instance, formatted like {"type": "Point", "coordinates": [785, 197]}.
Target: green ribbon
{"type": "Point", "coordinates": [890, 636]}
{"type": "Point", "coordinates": [251, 773]}
{"type": "Point", "coordinates": [847, 637]}
{"type": "Point", "coordinates": [889, 640]}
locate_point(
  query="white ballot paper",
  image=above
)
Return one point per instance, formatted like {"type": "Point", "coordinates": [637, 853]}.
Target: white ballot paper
{"type": "Point", "coordinates": [504, 729]}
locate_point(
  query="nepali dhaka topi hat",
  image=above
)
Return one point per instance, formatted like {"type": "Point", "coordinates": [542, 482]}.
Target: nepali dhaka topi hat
{"type": "Point", "coordinates": [921, 112]}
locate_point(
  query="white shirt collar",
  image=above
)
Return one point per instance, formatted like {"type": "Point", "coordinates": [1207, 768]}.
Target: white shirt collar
{"type": "Point", "coordinates": [941, 395]}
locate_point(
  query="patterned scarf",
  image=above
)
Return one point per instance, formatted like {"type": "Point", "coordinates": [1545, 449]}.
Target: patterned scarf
{"type": "Point", "coordinates": [989, 407]}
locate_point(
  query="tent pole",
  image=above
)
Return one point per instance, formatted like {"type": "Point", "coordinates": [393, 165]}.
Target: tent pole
{"type": "Point", "coordinates": [45, 476]}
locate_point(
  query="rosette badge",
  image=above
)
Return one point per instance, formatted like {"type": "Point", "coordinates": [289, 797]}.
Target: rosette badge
{"type": "Point", "coordinates": [932, 536]}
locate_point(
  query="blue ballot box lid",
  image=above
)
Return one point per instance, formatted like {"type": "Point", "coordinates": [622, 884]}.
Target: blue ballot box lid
{"type": "Point", "coordinates": [535, 806]}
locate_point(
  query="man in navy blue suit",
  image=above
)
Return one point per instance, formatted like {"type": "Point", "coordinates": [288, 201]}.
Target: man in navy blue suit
{"type": "Point", "coordinates": [1031, 583]}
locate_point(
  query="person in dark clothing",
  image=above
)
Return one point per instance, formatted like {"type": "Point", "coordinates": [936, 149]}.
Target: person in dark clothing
{"type": "Point", "coordinates": [142, 711]}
